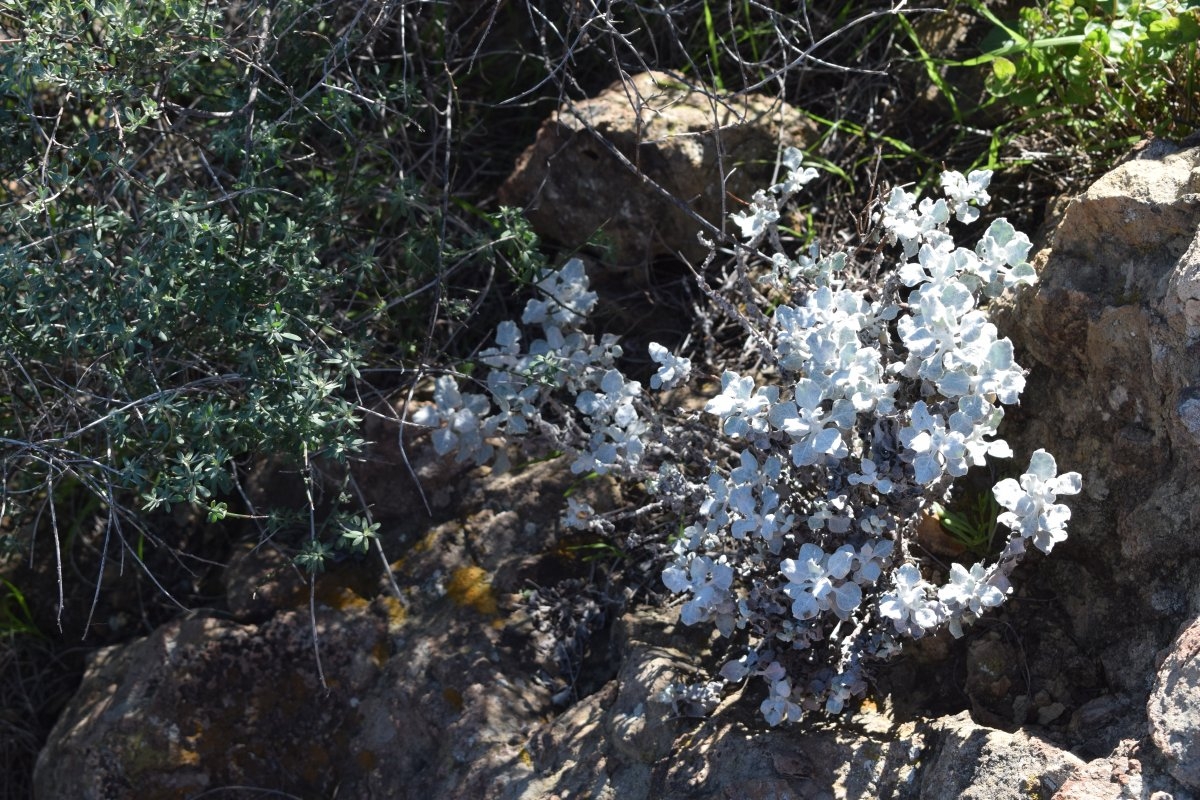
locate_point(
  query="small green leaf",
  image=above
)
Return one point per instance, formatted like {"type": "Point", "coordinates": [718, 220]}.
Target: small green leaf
{"type": "Point", "coordinates": [999, 82]}
{"type": "Point", "coordinates": [217, 511]}
{"type": "Point", "coordinates": [1165, 31]}
{"type": "Point", "coordinates": [312, 557]}
{"type": "Point", "coordinates": [357, 535]}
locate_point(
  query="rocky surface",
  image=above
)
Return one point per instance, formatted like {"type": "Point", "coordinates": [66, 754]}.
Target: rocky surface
{"type": "Point", "coordinates": [1174, 707]}
{"type": "Point", "coordinates": [974, 762]}
{"type": "Point", "coordinates": [456, 682]}
{"type": "Point", "coordinates": [662, 154]}
{"type": "Point", "coordinates": [1111, 335]}
{"type": "Point", "coordinates": [204, 703]}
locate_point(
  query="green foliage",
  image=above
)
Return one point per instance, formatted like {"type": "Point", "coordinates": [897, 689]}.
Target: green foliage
{"type": "Point", "coordinates": [729, 36]}
{"type": "Point", "coordinates": [516, 245]}
{"type": "Point", "coordinates": [15, 617]}
{"type": "Point", "coordinates": [205, 231]}
{"type": "Point", "coordinates": [358, 533]}
{"type": "Point", "coordinates": [167, 324]}
{"type": "Point", "coordinates": [973, 522]}
{"type": "Point", "coordinates": [597, 551]}
{"type": "Point", "coordinates": [313, 556]}
{"type": "Point", "coordinates": [1104, 74]}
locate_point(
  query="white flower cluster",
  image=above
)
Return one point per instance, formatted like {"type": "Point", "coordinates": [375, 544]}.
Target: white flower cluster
{"type": "Point", "coordinates": [879, 398]}
{"type": "Point", "coordinates": [882, 398]}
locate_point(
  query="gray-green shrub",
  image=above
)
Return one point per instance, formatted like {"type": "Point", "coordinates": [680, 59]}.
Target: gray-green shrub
{"type": "Point", "coordinates": [203, 218]}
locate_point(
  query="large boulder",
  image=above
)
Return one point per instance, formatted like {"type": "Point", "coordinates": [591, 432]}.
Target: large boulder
{"type": "Point", "coordinates": [412, 690]}
{"type": "Point", "coordinates": [204, 703]}
{"type": "Point", "coordinates": [975, 762]}
{"type": "Point", "coordinates": [1111, 336]}
{"type": "Point", "coordinates": [640, 166]}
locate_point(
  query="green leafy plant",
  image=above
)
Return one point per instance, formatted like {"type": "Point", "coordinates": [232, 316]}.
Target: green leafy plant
{"type": "Point", "coordinates": [973, 523]}
{"type": "Point", "coordinates": [15, 616]}
{"type": "Point", "coordinates": [597, 551]}
{"type": "Point", "coordinates": [1104, 74]}
{"type": "Point", "coordinates": [203, 238]}
{"type": "Point", "coordinates": [314, 555]}
{"type": "Point", "coordinates": [357, 534]}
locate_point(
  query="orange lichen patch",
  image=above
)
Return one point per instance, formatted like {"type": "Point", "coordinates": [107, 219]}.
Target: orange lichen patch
{"type": "Point", "coordinates": [404, 563]}
{"type": "Point", "coordinates": [395, 610]}
{"type": "Point", "coordinates": [868, 705]}
{"type": "Point", "coordinates": [427, 542]}
{"type": "Point", "coordinates": [149, 753]}
{"type": "Point", "coordinates": [340, 597]}
{"type": "Point", "coordinates": [469, 586]}
{"type": "Point", "coordinates": [453, 697]}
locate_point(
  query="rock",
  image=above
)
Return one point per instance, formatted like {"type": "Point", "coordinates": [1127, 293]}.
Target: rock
{"type": "Point", "coordinates": [684, 152]}
{"type": "Point", "coordinates": [730, 755]}
{"type": "Point", "coordinates": [642, 726]}
{"type": "Point", "coordinates": [1116, 777]}
{"type": "Point", "coordinates": [261, 580]}
{"type": "Point", "coordinates": [1128, 773]}
{"type": "Point", "coordinates": [1174, 707]}
{"type": "Point", "coordinates": [1099, 711]}
{"type": "Point", "coordinates": [972, 761]}
{"type": "Point", "coordinates": [204, 703]}
{"type": "Point", "coordinates": [1112, 365]}
{"type": "Point", "coordinates": [991, 665]}
{"type": "Point", "coordinates": [1107, 336]}
{"type": "Point", "coordinates": [1110, 335]}
{"type": "Point", "coordinates": [1050, 712]}
{"type": "Point", "coordinates": [418, 686]}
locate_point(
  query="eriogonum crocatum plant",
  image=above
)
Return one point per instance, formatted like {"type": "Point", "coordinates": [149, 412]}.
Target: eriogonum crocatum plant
{"type": "Point", "coordinates": [880, 395]}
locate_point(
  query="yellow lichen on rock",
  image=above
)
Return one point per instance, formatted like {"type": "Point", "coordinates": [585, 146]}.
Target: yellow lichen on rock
{"type": "Point", "coordinates": [396, 612]}
{"type": "Point", "coordinates": [341, 598]}
{"type": "Point", "coordinates": [469, 586]}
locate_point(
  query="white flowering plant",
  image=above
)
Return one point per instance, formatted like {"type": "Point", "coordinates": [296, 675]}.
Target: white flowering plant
{"type": "Point", "coordinates": [801, 548]}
